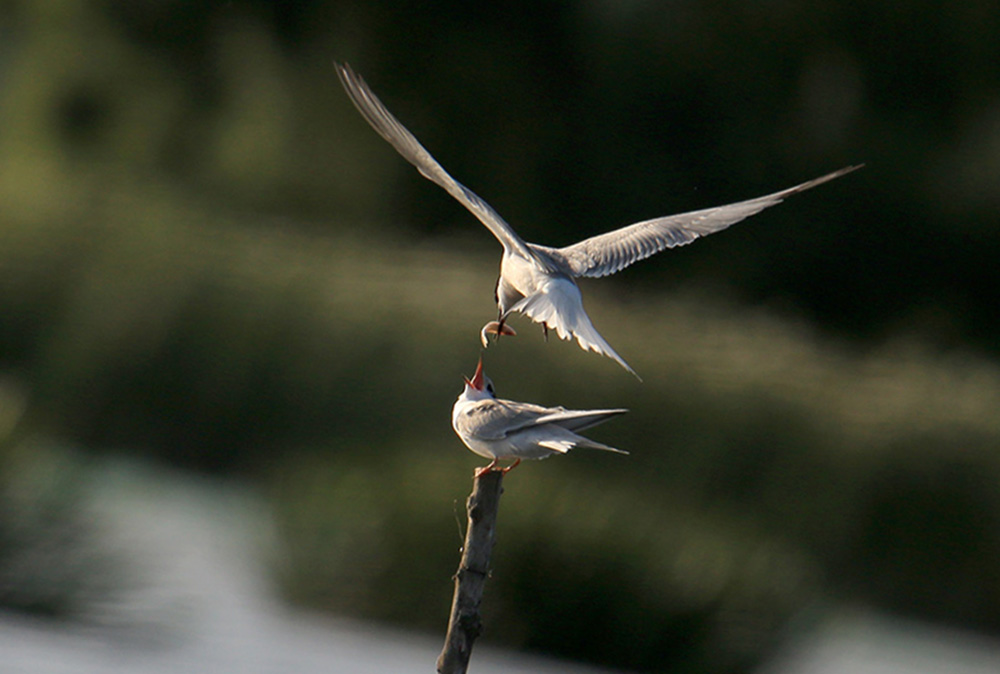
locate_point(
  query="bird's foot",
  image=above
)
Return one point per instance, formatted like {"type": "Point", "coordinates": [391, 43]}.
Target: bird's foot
{"type": "Point", "coordinates": [493, 466]}
{"type": "Point", "coordinates": [511, 467]}
{"type": "Point", "coordinates": [485, 469]}
{"type": "Point", "coordinates": [545, 331]}
{"type": "Point", "coordinates": [497, 328]}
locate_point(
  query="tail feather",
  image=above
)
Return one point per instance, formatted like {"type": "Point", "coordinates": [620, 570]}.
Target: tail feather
{"type": "Point", "coordinates": [574, 441]}
{"type": "Point", "coordinates": [592, 444]}
{"type": "Point", "coordinates": [560, 307]}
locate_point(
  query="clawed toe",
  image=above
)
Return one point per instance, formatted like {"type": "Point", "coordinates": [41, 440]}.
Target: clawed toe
{"type": "Point", "coordinates": [511, 466]}
{"type": "Point", "coordinates": [493, 466]}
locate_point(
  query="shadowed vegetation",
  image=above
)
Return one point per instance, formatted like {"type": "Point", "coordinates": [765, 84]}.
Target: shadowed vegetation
{"type": "Point", "coordinates": [208, 260]}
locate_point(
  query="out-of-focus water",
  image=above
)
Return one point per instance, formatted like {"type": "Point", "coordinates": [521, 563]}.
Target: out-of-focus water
{"type": "Point", "coordinates": [194, 597]}
{"type": "Point", "coordinates": [864, 643]}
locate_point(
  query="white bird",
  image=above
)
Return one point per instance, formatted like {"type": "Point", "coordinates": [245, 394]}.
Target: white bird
{"type": "Point", "coordinates": [504, 429]}
{"type": "Point", "coordinates": [538, 280]}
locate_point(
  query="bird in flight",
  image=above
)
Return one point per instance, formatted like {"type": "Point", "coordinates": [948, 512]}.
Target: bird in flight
{"type": "Point", "coordinates": [538, 281]}
{"type": "Point", "coordinates": [503, 429]}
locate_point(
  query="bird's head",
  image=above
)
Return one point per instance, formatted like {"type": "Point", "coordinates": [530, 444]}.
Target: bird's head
{"type": "Point", "coordinates": [480, 386]}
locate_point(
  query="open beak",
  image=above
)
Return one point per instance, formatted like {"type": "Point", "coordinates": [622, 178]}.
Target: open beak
{"type": "Point", "coordinates": [477, 380]}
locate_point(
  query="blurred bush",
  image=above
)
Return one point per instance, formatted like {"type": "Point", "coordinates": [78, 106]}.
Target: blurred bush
{"type": "Point", "coordinates": [206, 258]}
{"type": "Point", "coordinates": [53, 561]}
{"type": "Point", "coordinates": [569, 117]}
{"type": "Point", "coordinates": [579, 570]}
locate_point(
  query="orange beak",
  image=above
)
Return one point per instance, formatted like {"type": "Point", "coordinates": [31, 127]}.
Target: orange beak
{"type": "Point", "coordinates": [477, 379]}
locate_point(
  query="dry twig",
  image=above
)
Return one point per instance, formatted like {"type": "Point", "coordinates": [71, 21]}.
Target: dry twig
{"type": "Point", "coordinates": [473, 569]}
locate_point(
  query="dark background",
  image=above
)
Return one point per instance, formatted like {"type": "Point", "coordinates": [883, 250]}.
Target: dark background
{"type": "Point", "coordinates": [208, 260]}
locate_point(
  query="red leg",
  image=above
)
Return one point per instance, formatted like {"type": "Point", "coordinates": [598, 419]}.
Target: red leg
{"type": "Point", "coordinates": [511, 466]}
{"type": "Point", "coordinates": [485, 469]}
{"type": "Point", "coordinates": [501, 319]}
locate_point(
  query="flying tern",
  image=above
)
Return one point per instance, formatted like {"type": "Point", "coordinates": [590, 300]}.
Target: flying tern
{"type": "Point", "coordinates": [503, 429]}
{"type": "Point", "coordinates": [536, 280]}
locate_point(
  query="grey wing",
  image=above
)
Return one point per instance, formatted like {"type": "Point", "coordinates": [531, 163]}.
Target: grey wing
{"type": "Point", "coordinates": [496, 419]}
{"type": "Point", "coordinates": [577, 420]}
{"type": "Point", "coordinates": [387, 126]}
{"type": "Point", "coordinates": [611, 252]}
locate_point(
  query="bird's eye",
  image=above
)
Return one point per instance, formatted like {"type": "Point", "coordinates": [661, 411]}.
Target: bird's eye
{"type": "Point", "coordinates": [489, 387]}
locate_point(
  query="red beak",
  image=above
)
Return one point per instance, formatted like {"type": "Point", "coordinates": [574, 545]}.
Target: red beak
{"type": "Point", "coordinates": [477, 379]}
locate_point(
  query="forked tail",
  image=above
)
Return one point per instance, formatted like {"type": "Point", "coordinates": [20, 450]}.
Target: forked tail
{"type": "Point", "coordinates": [560, 307]}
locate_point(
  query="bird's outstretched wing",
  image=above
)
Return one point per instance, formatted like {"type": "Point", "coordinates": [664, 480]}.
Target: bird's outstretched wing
{"type": "Point", "coordinates": [387, 126]}
{"type": "Point", "coordinates": [611, 252]}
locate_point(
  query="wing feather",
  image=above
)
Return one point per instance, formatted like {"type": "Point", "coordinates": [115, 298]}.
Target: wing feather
{"type": "Point", "coordinates": [611, 252]}
{"type": "Point", "coordinates": [406, 144]}
{"type": "Point", "coordinates": [495, 419]}
{"type": "Point", "coordinates": [578, 420]}
{"type": "Point", "coordinates": [492, 419]}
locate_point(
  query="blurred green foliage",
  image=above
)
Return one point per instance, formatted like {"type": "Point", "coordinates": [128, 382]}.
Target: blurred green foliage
{"type": "Point", "coordinates": [208, 259]}
{"type": "Point", "coordinates": [53, 559]}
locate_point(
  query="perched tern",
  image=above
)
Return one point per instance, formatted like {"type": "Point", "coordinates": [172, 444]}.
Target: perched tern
{"type": "Point", "coordinates": [538, 280]}
{"type": "Point", "coordinates": [504, 429]}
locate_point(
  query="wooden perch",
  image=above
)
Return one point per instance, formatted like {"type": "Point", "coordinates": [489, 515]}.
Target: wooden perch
{"type": "Point", "coordinates": [473, 569]}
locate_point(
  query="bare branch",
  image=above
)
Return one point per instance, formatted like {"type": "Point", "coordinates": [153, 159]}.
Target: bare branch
{"type": "Point", "coordinates": [473, 569]}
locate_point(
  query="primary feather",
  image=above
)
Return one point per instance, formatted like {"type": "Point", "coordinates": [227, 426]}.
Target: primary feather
{"type": "Point", "coordinates": [506, 429]}
{"type": "Point", "coordinates": [538, 280]}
